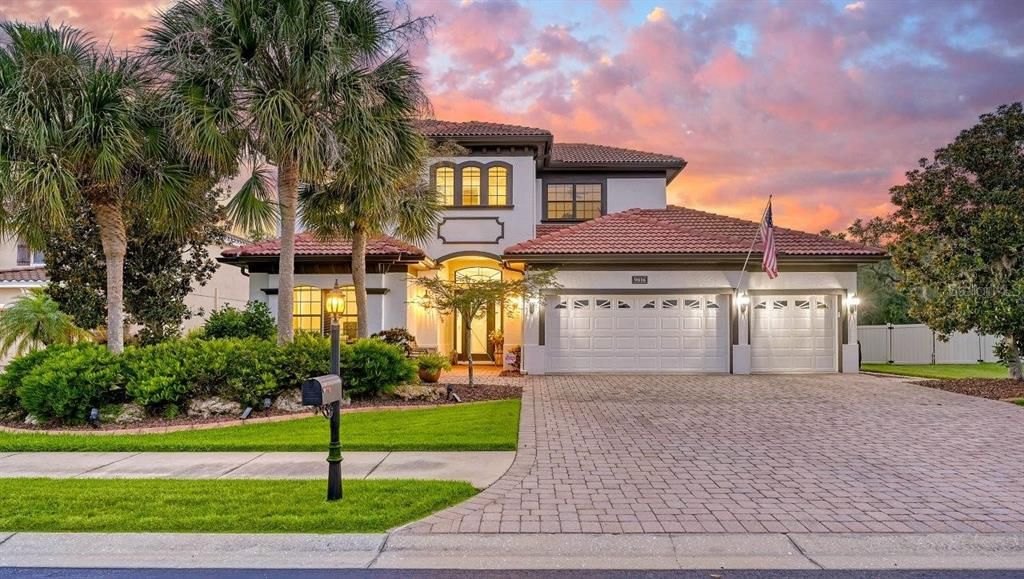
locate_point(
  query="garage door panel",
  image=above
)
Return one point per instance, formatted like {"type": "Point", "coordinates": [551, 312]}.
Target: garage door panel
{"type": "Point", "coordinates": [794, 334]}
{"type": "Point", "coordinates": [670, 333]}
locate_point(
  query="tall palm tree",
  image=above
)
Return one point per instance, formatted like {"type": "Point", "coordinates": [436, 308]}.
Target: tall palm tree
{"type": "Point", "coordinates": [79, 124]}
{"type": "Point", "coordinates": [273, 81]}
{"type": "Point", "coordinates": [32, 321]}
{"type": "Point", "coordinates": [381, 192]}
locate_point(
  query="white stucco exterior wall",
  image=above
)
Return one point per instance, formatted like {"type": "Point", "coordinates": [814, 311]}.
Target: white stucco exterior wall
{"type": "Point", "coordinates": [643, 193]}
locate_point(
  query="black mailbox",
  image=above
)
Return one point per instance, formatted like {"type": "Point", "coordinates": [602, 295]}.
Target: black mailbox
{"type": "Point", "coordinates": [321, 390]}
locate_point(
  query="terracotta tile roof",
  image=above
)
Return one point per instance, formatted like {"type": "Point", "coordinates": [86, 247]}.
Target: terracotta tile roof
{"type": "Point", "coordinates": [307, 244]}
{"type": "Point", "coordinates": [624, 232]}
{"type": "Point", "coordinates": [24, 274]}
{"type": "Point", "coordinates": [677, 230]}
{"type": "Point", "coordinates": [546, 228]}
{"type": "Point", "coordinates": [788, 241]}
{"type": "Point", "coordinates": [438, 128]}
{"type": "Point", "coordinates": [587, 154]}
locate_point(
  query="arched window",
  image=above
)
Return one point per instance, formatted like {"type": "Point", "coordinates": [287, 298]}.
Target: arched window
{"type": "Point", "coordinates": [471, 185]}
{"type": "Point", "coordinates": [497, 185]}
{"type": "Point", "coordinates": [444, 182]}
{"type": "Point", "coordinates": [471, 274]}
{"type": "Point", "coordinates": [307, 309]}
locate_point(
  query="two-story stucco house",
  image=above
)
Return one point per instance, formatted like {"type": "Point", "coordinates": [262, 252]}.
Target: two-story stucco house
{"type": "Point", "coordinates": [645, 286]}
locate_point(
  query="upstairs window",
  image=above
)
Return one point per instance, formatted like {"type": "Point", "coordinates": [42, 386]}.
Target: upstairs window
{"type": "Point", "coordinates": [472, 184]}
{"type": "Point", "coordinates": [573, 201]}
{"type": "Point", "coordinates": [497, 186]}
{"type": "Point", "coordinates": [26, 256]}
{"type": "Point", "coordinates": [444, 181]}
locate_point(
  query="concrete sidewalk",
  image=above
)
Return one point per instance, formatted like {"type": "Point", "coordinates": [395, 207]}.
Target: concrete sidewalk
{"type": "Point", "coordinates": [692, 551]}
{"type": "Point", "coordinates": [480, 469]}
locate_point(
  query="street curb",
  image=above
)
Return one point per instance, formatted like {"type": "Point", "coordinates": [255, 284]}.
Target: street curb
{"type": "Point", "coordinates": [874, 551]}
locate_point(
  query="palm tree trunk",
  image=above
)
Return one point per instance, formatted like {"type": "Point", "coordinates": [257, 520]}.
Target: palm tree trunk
{"type": "Point", "coordinates": [114, 238]}
{"type": "Point", "coordinates": [1014, 362]}
{"type": "Point", "coordinates": [359, 241]}
{"type": "Point", "coordinates": [287, 194]}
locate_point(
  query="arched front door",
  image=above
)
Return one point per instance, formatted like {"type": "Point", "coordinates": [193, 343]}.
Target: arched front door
{"type": "Point", "coordinates": [475, 340]}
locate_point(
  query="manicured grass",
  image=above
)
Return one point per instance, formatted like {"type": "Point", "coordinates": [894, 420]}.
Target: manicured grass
{"type": "Point", "coordinates": [218, 506]}
{"type": "Point", "coordinates": [941, 371]}
{"type": "Point", "coordinates": [475, 426]}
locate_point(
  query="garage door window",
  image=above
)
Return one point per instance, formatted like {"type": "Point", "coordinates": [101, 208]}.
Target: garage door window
{"type": "Point", "coordinates": [624, 305]}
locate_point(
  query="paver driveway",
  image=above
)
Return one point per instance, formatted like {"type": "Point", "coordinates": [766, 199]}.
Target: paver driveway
{"type": "Point", "coordinates": [838, 453]}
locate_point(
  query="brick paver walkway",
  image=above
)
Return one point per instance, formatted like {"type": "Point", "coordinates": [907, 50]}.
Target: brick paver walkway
{"type": "Point", "coordinates": [654, 454]}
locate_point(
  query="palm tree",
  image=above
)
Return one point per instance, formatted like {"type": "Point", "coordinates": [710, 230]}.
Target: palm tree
{"type": "Point", "coordinates": [274, 81]}
{"type": "Point", "coordinates": [77, 125]}
{"type": "Point", "coordinates": [32, 321]}
{"type": "Point", "coordinates": [381, 189]}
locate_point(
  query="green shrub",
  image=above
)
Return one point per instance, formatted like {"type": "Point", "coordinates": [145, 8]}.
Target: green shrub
{"type": "Point", "coordinates": [398, 337]}
{"type": "Point", "coordinates": [306, 356]}
{"type": "Point", "coordinates": [16, 371]}
{"type": "Point", "coordinates": [370, 367]}
{"type": "Point", "coordinates": [255, 321]}
{"type": "Point", "coordinates": [68, 384]}
{"type": "Point", "coordinates": [433, 362]}
{"type": "Point", "coordinates": [173, 372]}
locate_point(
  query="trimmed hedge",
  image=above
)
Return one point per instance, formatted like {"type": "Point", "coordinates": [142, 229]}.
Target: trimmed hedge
{"type": "Point", "coordinates": [63, 383]}
{"type": "Point", "coordinates": [255, 321]}
{"type": "Point", "coordinates": [68, 384]}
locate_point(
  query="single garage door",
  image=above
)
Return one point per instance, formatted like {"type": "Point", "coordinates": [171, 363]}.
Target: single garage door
{"type": "Point", "coordinates": [637, 333]}
{"type": "Point", "coordinates": [793, 334]}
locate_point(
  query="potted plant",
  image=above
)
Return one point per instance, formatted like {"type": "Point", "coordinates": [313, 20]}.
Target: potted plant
{"type": "Point", "coordinates": [498, 341]}
{"type": "Point", "coordinates": [431, 365]}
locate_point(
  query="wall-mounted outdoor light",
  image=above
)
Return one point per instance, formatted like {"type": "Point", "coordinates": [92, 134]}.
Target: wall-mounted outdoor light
{"type": "Point", "coordinates": [532, 303]}
{"type": "Point", "coordinates": [852, 302]}
{"type": "Point", "coordinates": [743, 301]}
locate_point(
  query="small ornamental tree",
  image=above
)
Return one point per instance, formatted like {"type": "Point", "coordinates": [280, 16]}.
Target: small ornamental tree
{"type": "Point", "coordinates": [468, 297]}
{"type": "Point", "coordinates": [160, 270]}
{"type": "Point", "coordinates": [959, 234]}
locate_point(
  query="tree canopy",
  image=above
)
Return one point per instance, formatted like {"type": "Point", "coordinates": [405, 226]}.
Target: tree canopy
{"type": "Point", "coordinates": [959, 233]}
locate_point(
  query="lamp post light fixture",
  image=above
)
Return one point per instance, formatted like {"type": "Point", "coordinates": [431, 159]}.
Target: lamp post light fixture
{"type": "Point", "coordinates": [335, 307]}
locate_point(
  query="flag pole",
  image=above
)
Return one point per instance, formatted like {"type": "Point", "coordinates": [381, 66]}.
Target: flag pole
{"type": "Point", "coordinates": [743, 272]}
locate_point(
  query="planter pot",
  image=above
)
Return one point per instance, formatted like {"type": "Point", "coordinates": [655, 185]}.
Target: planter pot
{"type": "Point", "coordinates": [429, 376]}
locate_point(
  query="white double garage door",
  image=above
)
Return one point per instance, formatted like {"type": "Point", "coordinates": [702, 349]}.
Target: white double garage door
{"type": "Point", "coordinates": [686, 333]}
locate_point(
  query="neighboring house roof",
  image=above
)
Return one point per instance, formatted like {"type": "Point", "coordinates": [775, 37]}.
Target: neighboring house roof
{"type": "Point", "coordinates": [24, 275]}
{"type": "Point", "coordinates": [308, 244]}
{"type": "Point", "coordinates": [454, 129]}
{"type": "Point", "coordinates": [587, 154]}
{"type": "Point", "coordinates": [678, 230]}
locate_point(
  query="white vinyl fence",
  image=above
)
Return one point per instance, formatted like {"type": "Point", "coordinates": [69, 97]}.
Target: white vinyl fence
{"type": "Point", "coordinates": [918, 344]}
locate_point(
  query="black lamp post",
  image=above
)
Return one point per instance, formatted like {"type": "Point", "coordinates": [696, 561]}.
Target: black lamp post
{"type": "Point", "coordinates": [335, 307]}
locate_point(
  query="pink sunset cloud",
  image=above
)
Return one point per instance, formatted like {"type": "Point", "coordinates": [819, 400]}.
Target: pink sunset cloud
{"type": "Point", "coordinates": [824, 105]}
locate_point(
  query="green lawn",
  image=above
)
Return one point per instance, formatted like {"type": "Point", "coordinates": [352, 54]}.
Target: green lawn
{"type": "Point", "coordinates": [475, 426]}
{"type": "Point", "coordinates": [986, 370]}
{"type": "Point", "coordinates": [219, 506]}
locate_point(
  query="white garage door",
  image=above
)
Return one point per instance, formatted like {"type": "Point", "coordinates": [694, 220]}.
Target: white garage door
{"type": "Point", "coordinates": [793, 334]}
{"type": "Point", "coordinates": [637, 333]}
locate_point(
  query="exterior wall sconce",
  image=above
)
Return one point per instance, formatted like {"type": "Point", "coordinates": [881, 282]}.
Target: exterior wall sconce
{"type": "Point", "coordinates": [532, 303]}
{"type": "Point", "coordinates": [743, 301]}
{"type": "Point", "coordinates": [852, 302]}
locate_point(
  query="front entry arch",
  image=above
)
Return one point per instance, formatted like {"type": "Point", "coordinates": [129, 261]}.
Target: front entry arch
{"type": "Point", "coordinates": [475, 340]}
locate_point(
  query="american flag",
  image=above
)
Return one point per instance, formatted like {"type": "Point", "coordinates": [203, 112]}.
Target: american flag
{"type": "Point", "coordinates": [770, 261]}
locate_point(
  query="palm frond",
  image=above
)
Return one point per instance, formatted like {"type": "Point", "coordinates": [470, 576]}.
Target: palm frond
{"type": "Point", "coordinates": [253, 207]}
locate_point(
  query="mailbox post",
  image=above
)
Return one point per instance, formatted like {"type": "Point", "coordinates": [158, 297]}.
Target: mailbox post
{"type": "Point", "coordinates": [326, 392]}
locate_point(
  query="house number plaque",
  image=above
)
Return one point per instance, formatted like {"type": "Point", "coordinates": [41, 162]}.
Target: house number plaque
{"type": "Point", "coordinates": [639, 280]}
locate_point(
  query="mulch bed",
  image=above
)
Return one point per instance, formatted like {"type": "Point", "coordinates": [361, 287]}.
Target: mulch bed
{"type": "Point", "coordinates": [992, 388]}
{"type": "Point", "coordinates": [478, 393]}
